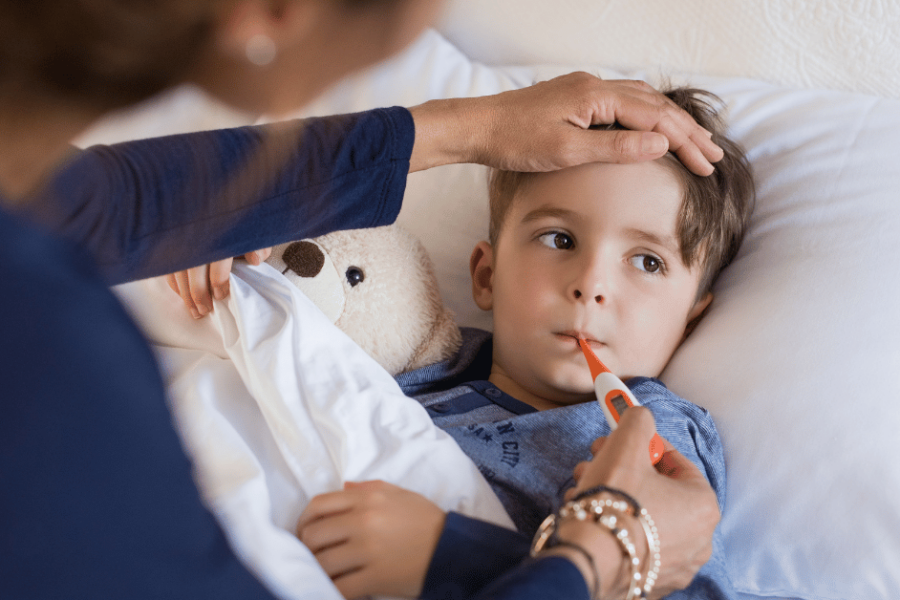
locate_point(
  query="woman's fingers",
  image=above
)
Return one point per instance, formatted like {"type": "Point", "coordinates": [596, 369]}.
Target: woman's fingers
{"type": "Point", "coordinates": [547, 126]}
{"type": "Point", "coordinates": [198, 286]}
{"type": "Point", "coordinates": [671, 120]}
{"type": "Point", "coordinates": [597, 444]}
{"type": "Point", "coordinates": [182, 286]}
{"type": "Point", "coordinates": [198, 283]}
{"type": "Point", "coordinates": [219, 273]}
{"type": "Point", "coordinates": [622, 460]}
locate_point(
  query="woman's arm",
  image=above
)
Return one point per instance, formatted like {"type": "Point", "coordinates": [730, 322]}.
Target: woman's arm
{"type": "Point", "coordinates": [155, 206]}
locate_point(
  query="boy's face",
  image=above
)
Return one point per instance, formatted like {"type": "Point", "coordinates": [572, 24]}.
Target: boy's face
{"type": "Point", "coordinates": [588, 251]}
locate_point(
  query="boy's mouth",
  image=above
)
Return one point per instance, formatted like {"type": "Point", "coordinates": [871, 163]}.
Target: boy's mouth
{"type": "Point", "coordinates": [579, 335]}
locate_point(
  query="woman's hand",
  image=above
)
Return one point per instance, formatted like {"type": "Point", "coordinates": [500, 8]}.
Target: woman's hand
{"type": "Point", "coordinates": [198, 286]}
{"type": "Point", "coordinates": [545, 127]}
{"type": "Point", "coordinates": [373, 538]}
{"type": "Point", "coordinates": [674, 492]}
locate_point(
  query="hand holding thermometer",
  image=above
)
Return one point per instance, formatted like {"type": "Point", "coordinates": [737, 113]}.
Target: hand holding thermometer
{"type": "Point", "coordinates": [614, 396]}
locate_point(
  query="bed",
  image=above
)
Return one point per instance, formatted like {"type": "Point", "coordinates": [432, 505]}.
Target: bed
{"type": "Point", "coordinates": [798, 359]}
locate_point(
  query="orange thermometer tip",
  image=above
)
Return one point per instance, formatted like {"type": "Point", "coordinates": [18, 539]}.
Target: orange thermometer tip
{"type": "Point", "coordinates": [594, 363]}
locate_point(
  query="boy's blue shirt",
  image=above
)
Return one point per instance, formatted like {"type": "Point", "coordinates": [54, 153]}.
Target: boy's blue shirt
{"type": "Point", "coordinates": [528, 457]}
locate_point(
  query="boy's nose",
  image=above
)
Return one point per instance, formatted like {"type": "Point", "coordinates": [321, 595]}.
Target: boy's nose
{"type": "Point", "coordinates": [598, 298]}
{"type": "Point", "coordinates": [591, 282]}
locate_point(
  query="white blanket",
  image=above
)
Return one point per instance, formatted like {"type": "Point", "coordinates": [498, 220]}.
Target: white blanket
{"type": "Point", "coordinates": [275, 405]}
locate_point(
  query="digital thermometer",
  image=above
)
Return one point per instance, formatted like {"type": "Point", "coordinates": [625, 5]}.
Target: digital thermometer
{"type": "Point", "coordinates": [614, 396]}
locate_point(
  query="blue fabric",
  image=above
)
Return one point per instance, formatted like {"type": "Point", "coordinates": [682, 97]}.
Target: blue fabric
{"type": "Point", "coordinates": [468, 572]}
{"type": "Point", "coordinates": [96, 494]}
{"type": "Point", "coordinates": [528, 455]}
{"type": "Point", "coordinates": [165, 204]}
{"type": "Point", "coordinates": [539, 579]}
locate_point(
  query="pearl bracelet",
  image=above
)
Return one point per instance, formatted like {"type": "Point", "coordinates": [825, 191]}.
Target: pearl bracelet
{"type": "Point", "coordinates": [608, 513]}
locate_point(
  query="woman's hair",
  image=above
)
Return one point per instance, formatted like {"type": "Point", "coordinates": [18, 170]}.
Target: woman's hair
{"type": "Point", "coordinates": [101, 53]}
{"type": "Point", "coordinates": [715, 210]}
{"type": "Point", "coordinates": [106, 53]}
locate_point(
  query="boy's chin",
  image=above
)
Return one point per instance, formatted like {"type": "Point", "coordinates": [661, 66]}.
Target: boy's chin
{"type": "Point", "coordinates": [567, 394]}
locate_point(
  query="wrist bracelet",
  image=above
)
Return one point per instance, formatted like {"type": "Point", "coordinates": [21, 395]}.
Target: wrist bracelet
{"type": "Point", "coordinates": [653, 557]}
{"type": "Point", "coordinates": [635, 507]}
{"type": "Point", "coordinates": [608, 513]}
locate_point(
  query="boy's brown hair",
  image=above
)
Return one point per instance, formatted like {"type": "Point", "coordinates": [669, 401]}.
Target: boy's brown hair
{"type": "Point", "coordinates": [715, 210]}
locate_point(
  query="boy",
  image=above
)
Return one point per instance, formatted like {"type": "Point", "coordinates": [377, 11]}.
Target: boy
{"type": "Point", "coordinates": [622, 255]}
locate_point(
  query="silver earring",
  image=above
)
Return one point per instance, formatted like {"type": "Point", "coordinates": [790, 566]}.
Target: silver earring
{"type": "Point", "coordinates": [261, 50]}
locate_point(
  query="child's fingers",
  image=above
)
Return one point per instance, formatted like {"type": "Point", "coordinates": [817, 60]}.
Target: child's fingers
{"type": "Point", "coordinates": [324, 505]}
{"type": "Point", "coordinates": [328, 531]}
{"type": "Point", "coordinates": [355, 583]}
{"type": "Point", "coordinates": [340, 561]}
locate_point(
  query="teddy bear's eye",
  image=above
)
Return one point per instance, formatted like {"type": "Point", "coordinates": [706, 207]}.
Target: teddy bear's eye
{"type": "Point", "coordinates": [354, 276]}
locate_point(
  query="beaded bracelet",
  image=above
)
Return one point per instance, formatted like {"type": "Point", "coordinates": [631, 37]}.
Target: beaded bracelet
{"type": "Point", "coordinates": [607, 512]}
{"type": "Point", "coordinates": [653, 562]}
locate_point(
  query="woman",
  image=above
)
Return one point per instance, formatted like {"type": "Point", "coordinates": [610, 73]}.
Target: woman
{"type": "Point", "coordinates": [97, 496]}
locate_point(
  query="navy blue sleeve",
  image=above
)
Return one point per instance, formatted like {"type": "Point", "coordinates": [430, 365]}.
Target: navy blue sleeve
{"type": "Point", "coordinates": [476, 560]}
{"type": "Point", "coordinates": [470, 554]}
{"type": "Point", "coordinates": [156, 206]}
{"type": "Point", "coordinates": [540, 579]}
{"type": "Point", "coordinates": [97, 499]}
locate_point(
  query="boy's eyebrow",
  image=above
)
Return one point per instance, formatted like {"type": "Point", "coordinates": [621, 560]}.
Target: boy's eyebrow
{"type": "Point", "coordinates": [548, 211]}
{"type": "Point", "coordinates": [669, 242]}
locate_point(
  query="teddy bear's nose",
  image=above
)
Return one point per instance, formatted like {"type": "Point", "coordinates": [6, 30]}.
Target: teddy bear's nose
{"type": "Point", "coordinates": [304, 258]}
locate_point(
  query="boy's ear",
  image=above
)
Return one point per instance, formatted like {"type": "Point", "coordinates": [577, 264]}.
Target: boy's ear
{"type": "Point", "coordinates": [481, 267]}
{"type": "Point", "coordinates": [697, 312]}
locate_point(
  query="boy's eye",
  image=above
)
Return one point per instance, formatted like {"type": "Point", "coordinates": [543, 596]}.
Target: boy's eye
{"type": "Point", "coordinates": [557, 240]}
{"type": "Point", "coordinates": [648, 263]}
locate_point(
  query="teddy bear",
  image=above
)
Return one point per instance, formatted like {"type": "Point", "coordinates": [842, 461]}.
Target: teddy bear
{"type": "Point", "coordinates": [378, 286]}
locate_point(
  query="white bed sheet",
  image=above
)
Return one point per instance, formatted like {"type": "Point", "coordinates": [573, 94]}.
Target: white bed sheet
{"type": "Point", "coordinates": [275, 405]}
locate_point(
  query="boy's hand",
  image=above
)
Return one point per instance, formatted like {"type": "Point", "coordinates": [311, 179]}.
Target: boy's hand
{"type": "Point", "coordinates": [198, 286]}
{"type": "Point", "coordinates": [373, 538]}
{"type": "Point", "coordinates": [546, 127]}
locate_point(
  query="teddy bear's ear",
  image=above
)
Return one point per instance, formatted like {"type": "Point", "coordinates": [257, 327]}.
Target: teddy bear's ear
{"type": "Point", "coordinates": [308, 266]}
{"type": "Point", "coordinates": [441, 343]}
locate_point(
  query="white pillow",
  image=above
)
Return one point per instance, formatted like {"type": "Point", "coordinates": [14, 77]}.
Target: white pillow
{"type": "Point", "coordinates": [831, 44]}
{"type": "Point", "coordinates": [797, 360]}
